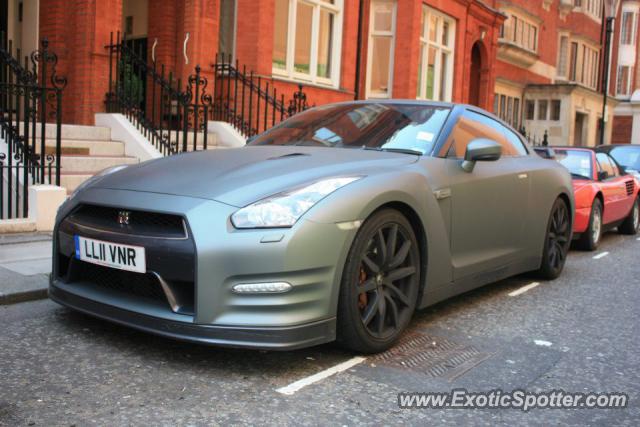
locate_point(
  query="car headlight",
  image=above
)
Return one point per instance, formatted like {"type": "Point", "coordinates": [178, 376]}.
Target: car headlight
{"type": "Point", "coordinates": [91, 180]}
{"type": "Point", "coordinates": [284, 209]}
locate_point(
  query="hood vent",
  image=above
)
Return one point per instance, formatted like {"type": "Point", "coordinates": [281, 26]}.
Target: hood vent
{"type": "Point", "coordinates": [284, 156]}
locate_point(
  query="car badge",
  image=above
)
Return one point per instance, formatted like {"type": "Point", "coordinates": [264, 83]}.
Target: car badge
{"type": "Point", "coordinates": [123, 217]}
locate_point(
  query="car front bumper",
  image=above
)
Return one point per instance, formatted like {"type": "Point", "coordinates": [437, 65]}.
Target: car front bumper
{"type": "Point", "coordinates": [273, 338]}
{"type": "Point", "coordinates": [309, 256]}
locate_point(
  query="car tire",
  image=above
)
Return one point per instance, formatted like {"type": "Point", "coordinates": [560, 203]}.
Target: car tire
{"type": "Point", "coordinates": [380, 283]}
{"type": "Point", "coordinates": [631, 223]}
{"type": "Point", "coordinates": [590, 239]}
{"type": "Point", "coordinates": [557, 241]}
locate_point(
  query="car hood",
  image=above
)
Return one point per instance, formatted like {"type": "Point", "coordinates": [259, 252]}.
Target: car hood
{"type": "Point", "coordinates": [581, 183]}
{"type": "Point", "coordinates": [241, 176]}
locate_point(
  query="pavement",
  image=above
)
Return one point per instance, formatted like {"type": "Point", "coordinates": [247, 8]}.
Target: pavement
{"type": "Point", "coordinates": [25, 262]}
{"type": "Point", "coordinates": [578, 333]}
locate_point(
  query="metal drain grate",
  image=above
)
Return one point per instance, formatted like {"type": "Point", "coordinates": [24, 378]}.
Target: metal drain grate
{"type": "Point", "coordinates": [433, 356]}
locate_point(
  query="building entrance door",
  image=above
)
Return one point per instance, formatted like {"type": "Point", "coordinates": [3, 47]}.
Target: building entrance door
{"type": "Point", "coordinates": [579, 132]}
{"type": "Point", "coordinates": [475, 75]}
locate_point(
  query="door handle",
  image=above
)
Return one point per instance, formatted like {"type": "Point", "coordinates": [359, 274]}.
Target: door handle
{"type": "Point", "coordinates": [442, 194]}
{"type": "Point", "coordinates": [523, 176]}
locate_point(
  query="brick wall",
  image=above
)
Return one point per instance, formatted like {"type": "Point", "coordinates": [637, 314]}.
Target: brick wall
{"type": "Point", "coordinates": [78, 31]}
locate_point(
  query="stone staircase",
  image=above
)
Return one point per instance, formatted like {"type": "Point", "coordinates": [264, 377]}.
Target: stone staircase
{"type": "Point", "coordinates": [86, 150]}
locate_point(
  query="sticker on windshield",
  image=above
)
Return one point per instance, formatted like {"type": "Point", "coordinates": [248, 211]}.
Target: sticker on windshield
{"type": "Point", "coordinates": [425, 136]}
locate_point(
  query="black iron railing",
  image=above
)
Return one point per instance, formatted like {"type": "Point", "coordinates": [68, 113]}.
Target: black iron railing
{"type": "Point", "coordinates": [249, 102]}
{"type": "Point", "coordinates": [30, 124]}
{"type": "Point", "coordinates": [173, 114]}
{"type": "Point", "coordinates": [173, 120]}
{"type": "Point", "coordinates": [535, 140]}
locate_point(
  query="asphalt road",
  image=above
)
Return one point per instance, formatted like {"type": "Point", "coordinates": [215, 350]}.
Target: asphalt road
{"type": "Point", "coordinates": [62, 368]}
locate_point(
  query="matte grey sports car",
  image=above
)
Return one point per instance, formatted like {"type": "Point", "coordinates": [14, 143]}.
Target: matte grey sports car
{"type": "Point", "coordinates": [336, 224]}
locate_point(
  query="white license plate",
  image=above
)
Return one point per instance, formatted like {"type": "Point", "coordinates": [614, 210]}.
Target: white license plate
{"type": "Point", "coordinates": [114, 255]}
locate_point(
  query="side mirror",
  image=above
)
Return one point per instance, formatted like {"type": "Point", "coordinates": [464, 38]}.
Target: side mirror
{"type": "Point", "coordinates": [602, 175]}
{"type": "Point", "coordinates": [481, 150]}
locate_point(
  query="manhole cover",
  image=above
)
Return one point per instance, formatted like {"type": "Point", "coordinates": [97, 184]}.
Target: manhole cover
{"type": "Point", "coordinates": [433, 356]}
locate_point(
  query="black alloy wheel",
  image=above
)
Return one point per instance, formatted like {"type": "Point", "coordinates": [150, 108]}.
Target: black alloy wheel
{"type": "Point", "coordinates": [557, 242]}
{"type": "Point", "coordinates": [380, 283]}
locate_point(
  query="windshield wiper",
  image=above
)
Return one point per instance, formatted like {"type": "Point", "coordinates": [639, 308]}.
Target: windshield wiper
{"type": "Point", "coordinates": [394, 150]}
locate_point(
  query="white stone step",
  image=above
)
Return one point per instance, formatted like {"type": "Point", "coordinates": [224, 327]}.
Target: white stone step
{"type": "Point", "coordinates": [93, 164]}
{"type": "Point", "coordinates": [80, 147]}
{"type": "Point", "coordinates": [74, 132]}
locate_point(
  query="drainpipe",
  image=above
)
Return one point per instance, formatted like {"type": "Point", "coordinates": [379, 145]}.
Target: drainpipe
{"type": "Point", "coordinates": [359, 50]}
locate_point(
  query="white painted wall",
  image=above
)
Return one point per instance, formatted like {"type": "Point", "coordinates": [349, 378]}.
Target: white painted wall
{"type": "Point", "coordinates": [227, 135]}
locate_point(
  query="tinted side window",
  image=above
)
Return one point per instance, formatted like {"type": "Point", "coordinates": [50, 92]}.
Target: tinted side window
{"type": "Point", "coordinates": [515, 142]}
{"type": "Point", "coordinates": [472, 126]}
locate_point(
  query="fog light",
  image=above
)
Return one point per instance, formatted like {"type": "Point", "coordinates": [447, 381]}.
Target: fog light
{"type": "Point", "coordinates": [262, 288]}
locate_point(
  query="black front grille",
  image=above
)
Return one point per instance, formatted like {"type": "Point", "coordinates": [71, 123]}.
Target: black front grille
{"type": "Point", "coordinates": [140, 223]}
{"type": "Point", "coordinates": [130, 284]}
{"type": "Point", "coordinates": [630, 186]}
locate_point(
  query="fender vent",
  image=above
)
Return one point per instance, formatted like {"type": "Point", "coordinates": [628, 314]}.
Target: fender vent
{"type": "Point", "coordinates": [630, 188]}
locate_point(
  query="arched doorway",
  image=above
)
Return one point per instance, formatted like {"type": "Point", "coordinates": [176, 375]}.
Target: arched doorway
{"type": "Point", "coordinates": [475, 76]}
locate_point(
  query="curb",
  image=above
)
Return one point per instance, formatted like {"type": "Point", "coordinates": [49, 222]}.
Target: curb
{"type": "Point", "coordinates": [18, 297]}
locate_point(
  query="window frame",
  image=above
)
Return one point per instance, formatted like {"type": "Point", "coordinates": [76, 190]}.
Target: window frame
{"type": "Point", "coordinates": [552, 110]}
{"type": "Point", "coordinates": [496, 125]}
{"type": "Point", "coordinates": [521, 32]}
{"type": "Point", "coordinates": [562, 66]}
{"type": "Point", "coordinates": [508, 108]}
{"type": "Point", "coordinates": [289, 72]}
{"type": "Point", "coordinates": [626, 91]}
{"type": "Point", "coordinates": [440, 48]}
{"type": "Point", "coordinates": [373, 33]}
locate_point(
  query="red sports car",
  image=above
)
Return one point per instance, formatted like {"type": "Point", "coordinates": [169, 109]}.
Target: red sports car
{"type": "Point", "coordinates": [605, 197]}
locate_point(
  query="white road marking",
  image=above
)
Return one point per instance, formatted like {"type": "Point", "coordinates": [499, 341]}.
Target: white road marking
{"type": "Point", "coordinates": [523, 289]}
{"type": "Point", "coordinates": [296, 386]}
{"type": "Point", "coordinates": [601, 255]}
{"type": "Point", "coordinates": [542, 343]}
{"type": "Point", "coordinates": [638, 238]}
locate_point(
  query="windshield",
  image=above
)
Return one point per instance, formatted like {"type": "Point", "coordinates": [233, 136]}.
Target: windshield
{"type": "Point", "coordinates": [393, 127]}
{"type": "Point", "coordinates": [629, 157]}
{"type": "Point", "coordinates": [577, 161]}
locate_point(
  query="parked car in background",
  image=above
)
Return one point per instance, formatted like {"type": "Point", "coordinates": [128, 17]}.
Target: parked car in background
{"type": "Point", "coordinates": [337, 223]}
{"type": "Point", "coordinates": [606, 197]}
{"type": "Point", "coordinates": [626, 155]}
{"type": "Point", "coordinates": [545, 152]}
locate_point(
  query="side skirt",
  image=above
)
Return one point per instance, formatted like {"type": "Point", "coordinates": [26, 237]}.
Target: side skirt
{"type": "Point", "coordinates": [466, 284]}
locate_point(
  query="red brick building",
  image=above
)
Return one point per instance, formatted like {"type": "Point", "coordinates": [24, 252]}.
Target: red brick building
{"type": "Point", "coordinates": [338, 49]}
{"type": "Point", "coordinates": [537, 64]}
{"type": "Point", "coordinates": [625, 75]}
{"type": "Point", "coordinates": [549, 69]}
